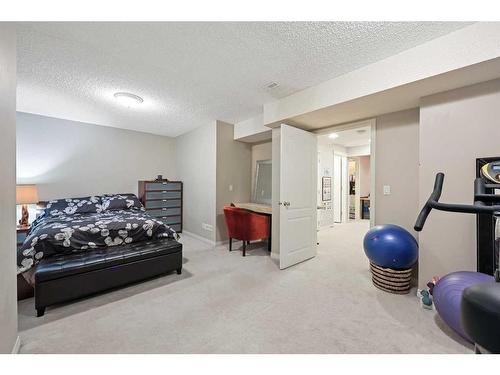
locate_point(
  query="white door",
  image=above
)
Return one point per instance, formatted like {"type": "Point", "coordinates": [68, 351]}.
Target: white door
{"type": "Point", "coordinates": [337, 188]}
{"type": "Point", "coordinates": [298, 178]}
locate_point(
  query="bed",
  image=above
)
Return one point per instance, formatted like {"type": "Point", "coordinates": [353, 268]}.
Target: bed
{"type": "Point", "coordinates": [81, 246]}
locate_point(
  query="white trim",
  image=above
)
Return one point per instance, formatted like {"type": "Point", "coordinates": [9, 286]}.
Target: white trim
{"type": "Point", "coordinates": [206, 240]}
{"type": "Point", "coordinates": [198, 237]}
{"type": "Point", "coordinates": [373, 155]}
{"type": "Point", "coordinates": [345, 126]}
{"type": "Point", "coordinates": [17, 346]}
{"type": "Point", "coordinates": [226, 242]}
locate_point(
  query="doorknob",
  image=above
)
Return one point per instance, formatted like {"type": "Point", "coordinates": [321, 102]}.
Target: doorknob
{"type": "Point", "coordinates": [286, 204]}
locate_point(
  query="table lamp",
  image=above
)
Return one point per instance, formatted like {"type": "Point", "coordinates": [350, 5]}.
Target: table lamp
{"type": "Point", "coordinates": [26, 194]}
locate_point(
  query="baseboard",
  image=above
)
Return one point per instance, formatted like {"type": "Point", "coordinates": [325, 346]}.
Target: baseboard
{"type": "Point", "coordinates": [198, 237]}
{"type": "Point", "coordinates": [17, 346]}
{"type": "Point", "coordinates": [206, 240]}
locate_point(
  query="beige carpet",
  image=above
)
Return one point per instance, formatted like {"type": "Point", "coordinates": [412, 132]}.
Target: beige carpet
{"type": "Point", "coordinates": [224, 303]}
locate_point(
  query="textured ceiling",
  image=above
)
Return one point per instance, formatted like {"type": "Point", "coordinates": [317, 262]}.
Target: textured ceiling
{"type": "Point", "coordinates": [192, 73]}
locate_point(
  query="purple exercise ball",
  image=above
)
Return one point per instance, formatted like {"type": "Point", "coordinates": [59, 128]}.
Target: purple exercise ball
{"type": "Point", "coordinates": [447, 295]}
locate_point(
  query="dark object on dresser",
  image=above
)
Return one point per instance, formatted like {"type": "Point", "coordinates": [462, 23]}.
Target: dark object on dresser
{"type": "Point", "coordinates": [163, 200]}
{"type": "Point", "coordinates": [63, 278]}
{"type": "Point", "coordinates": [24, 290]}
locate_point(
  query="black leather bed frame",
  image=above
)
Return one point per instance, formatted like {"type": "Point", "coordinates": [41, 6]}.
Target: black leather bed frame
{"type": "Point", "coordinates": [67, 277]}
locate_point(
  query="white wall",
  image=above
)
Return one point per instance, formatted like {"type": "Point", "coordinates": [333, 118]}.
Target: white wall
{"type": "Point", "coordinates": [195, 159]}
{"type": "Point", "coordinates": [358, 150]}
{"type": "Point", "coordinates": [456, 127]}
{"type": "Point", "coordinates": [70, 159]}
{"type": "Point", "coordinates": [276, 157]}
{"type": "Point", "coordinates": [262, 151]}
{"type": "Point", "coordinates": [396, 165]}
{"type": "Point", "coordinates": [364, 176]}
{"type": "Point", "coordinates": [8, 294]}
{"type": "Point", "coordinates": [234, 167]}
{"type": "Point", "coordinates": [252, 130]}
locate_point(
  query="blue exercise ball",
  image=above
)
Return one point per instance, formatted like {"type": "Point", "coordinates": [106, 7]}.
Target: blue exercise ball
{"type": "Point", "coordinates": [391, 246]}
{"type": "Point", "coordinates": [447, 295]}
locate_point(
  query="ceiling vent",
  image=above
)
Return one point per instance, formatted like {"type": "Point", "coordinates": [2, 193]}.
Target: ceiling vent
{"type": "Point", "coordinates": [272, 85]}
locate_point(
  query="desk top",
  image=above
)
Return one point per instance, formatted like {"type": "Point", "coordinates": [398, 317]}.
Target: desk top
{"type": "Point", "coordinates": [256, 207]}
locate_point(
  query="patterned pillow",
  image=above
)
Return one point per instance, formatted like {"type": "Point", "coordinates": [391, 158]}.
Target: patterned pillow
{"type": "Point", "coordinates": [112, 202]}
{"type": "Point", "coordinates": [70, 206]}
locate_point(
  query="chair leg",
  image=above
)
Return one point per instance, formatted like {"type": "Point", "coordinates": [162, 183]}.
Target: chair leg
{"type": "Point", "coordinates": [40, 311]}
{"type": "Point", "coordinates": [244, 248]}
{"type": "Point", "coordinates": [230, 244]}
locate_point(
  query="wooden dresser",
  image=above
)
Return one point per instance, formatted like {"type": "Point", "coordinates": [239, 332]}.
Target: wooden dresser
{"type": "Point", "coordinates": [163, 200]}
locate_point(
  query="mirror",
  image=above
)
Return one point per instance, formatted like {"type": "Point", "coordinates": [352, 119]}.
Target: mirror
{"type": "Point", "coordinates": [263, 177]}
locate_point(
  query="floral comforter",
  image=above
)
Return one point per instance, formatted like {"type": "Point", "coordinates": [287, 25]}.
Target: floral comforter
{"type": "Point", "coordinates": [70, 233]}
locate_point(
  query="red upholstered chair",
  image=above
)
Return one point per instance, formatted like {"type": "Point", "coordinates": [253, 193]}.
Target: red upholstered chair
{"type": "Point", "coordinates": [246, 226]}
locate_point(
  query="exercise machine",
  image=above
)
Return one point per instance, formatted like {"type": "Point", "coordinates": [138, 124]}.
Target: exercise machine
{"type": "Point", "coordinates": [480, 306]}
{"type": "Point", "coordinates": [486, 206]}
{"type": "Point", "coordinates": [487, 226]}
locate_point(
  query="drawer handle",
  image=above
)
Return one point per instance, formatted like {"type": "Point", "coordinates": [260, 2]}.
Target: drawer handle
{"type": "Point", "coordinates": [164, 209]}
{"type": "Point", "coordinates": [163, 200]}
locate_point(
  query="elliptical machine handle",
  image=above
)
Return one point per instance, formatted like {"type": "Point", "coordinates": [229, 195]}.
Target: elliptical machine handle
{"type": "Point", "coordinates": [479, 206]}
{"type": "Point", "coordinates": [434, 198]}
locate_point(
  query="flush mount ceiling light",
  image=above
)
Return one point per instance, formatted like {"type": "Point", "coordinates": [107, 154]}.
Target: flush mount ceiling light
{"type": "Point", "coordinates": [127, 99]}
{"type": "Point", "coordinates": [333, 136]}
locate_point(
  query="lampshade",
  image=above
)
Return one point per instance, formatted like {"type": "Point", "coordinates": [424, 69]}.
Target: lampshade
{"type": "Point", "coordinates": [26, 194]}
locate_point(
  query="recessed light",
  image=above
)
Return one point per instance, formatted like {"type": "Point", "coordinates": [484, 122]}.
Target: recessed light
{"type": "Point", "coordinates": [333, 135]}
{"type": "Point", "coordinates": [128, 99]}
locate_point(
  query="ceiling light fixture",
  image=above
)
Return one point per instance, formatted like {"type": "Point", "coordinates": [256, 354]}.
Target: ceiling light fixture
{"type": "Point", "coordinates": [128, 99]}
{"type": "Point", "coordinates": [333, 136]}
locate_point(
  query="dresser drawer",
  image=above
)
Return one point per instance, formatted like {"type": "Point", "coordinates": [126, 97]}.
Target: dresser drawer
{"type": "Point", "coordinates": [163, 203]}
{"type": "Point", "coordinates": [171, 220]}
{"type": "Point", "coordinates": [162, 194]}
{"type": "Point", "coordinates": [163, 186]}
{"type": "Point", "coordinates": [164, 212]}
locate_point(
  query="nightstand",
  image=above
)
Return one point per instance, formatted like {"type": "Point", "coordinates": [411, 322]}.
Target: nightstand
{"type": "Point", "coordinates": [21, 235]}
{"type": "Point", "coordinates": [24, 290]}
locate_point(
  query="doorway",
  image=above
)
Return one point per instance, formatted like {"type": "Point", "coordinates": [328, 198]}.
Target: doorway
{"type": "Point", "coordinates": [310, 189]}
{"type": "Point", "coordinates": [345, 181]}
